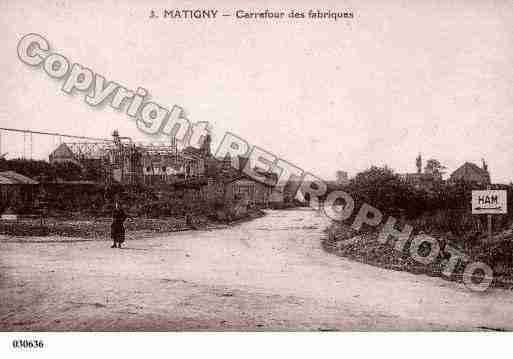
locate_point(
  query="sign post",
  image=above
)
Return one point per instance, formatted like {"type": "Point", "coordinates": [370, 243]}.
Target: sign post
{"type": "Point", "coordinates": [489, 202]}
{"type": "Point", "coordinates": [490, 227]}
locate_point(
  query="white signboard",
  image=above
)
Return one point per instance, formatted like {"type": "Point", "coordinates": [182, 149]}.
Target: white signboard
{"type": "Point", "coordinates": [489, 202]}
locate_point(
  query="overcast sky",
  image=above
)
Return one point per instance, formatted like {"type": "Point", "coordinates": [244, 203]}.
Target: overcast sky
{"type": "Point", "coordinates": [400, 78]}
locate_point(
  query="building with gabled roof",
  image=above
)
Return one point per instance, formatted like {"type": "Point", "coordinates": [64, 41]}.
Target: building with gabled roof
{"type": "Point", "coordinates": [471, 173]}
{"type": "Point", "coordinates": [16, 190]}
{"type": "Point", "coordinates": [63, 153]}
{"type": "Point", "coordinates": [120, 160]}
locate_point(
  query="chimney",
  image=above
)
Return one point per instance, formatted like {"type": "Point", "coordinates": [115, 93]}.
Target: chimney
{"type": "Point", "coordinates": [485, 165]}
{"type": "Point", "coordinates": [115, 136]}
{"type": "Point", "coordinates": [419, 163]}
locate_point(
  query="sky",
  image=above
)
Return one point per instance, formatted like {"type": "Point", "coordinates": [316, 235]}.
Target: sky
{"type": "Point", "coordinates": [399, 79]}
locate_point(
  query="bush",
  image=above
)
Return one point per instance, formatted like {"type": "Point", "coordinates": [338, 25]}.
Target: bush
{"type": "Point", "coordinates": [444, 208]}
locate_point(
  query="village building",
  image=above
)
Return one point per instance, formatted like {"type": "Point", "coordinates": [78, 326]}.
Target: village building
{"type": "Point", "coordinates": [233, 184]}
{"type": "Point", "coordinates": [63, 154]}
{"type": "Point", "coordinates": [426, 180]}
{"type": "Point", "coordinates": [471, 173]}
{"type": "Point", "coordinates": [92, 158]}
{"type": "Point", "coordinates": [125, 162]}
{"type": "Point", "coordinates": [249, 191]}
{"type": "Point", "coordinates": [16, 191]}
{"type": "Point", "coordinates": [191, 175]}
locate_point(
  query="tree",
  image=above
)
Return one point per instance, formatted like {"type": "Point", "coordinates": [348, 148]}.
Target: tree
{"type": "Point", "coordinates": [387, 191]}
{"type": "Point", "coordinates": [434, 167]}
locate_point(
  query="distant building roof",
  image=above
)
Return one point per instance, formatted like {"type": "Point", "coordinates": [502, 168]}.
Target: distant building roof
{"type": "Point", "coordinates": [62, 152]}
{"type": "Point", "coordinates": [270, 178]}
{"type": "Point", "coordinates": [193, 152]}
{"type": "Point", "coordinates": [470, 172]}
{"type": "Point", "coordinates": [11, 177]}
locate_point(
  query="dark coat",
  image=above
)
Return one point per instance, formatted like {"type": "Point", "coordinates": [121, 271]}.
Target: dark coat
{"type": "Point", "coordinates": [117, 230]}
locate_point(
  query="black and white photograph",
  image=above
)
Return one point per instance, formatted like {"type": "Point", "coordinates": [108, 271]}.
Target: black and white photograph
{"type": "Point", "coordinates": [255, 168]}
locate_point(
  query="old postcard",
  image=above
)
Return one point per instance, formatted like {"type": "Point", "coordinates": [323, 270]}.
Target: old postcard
{"type": "Point", "coordinates": [180, 166]}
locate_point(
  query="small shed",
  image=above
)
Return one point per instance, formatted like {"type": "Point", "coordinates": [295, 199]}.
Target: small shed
{"type": "Point", "coordinates": [16, 191]}
{"type": "Point", "coordinates": [248, 190]}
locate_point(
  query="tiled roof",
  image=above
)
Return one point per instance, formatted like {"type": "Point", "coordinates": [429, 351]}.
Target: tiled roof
{"type": "Point", "coordinates": [469, 167]}
{"type": "Point", "coordinates": [11, 177]}
{"type": "Point", "coordinates": [63, 151]}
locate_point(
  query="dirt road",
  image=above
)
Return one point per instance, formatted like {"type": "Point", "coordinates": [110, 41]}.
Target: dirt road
{"type": "Point", "coordinates": [268, 274]}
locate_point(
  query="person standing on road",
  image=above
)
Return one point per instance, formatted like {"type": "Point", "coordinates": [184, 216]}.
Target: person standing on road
{"type": "Point", "coordinates": [117, 230]}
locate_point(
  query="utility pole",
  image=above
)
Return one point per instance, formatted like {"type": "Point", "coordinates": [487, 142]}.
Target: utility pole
{"type": "Point", "coordinates": [489, 218]}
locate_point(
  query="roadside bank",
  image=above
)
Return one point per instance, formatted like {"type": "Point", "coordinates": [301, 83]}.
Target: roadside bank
{"type": "Point", "coordinates": [364, 247]}
{"type": "Point", "coordinates": [54, 229]}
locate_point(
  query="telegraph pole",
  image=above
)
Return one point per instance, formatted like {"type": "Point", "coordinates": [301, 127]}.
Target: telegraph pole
{"type": "Point", "coordinates": [489, 218]}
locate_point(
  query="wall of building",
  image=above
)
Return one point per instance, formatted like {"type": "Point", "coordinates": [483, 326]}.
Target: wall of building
{"type": "Point", "coordinates": [18, 197]}
{"type": "Point", "coordinates": [248, 190]}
